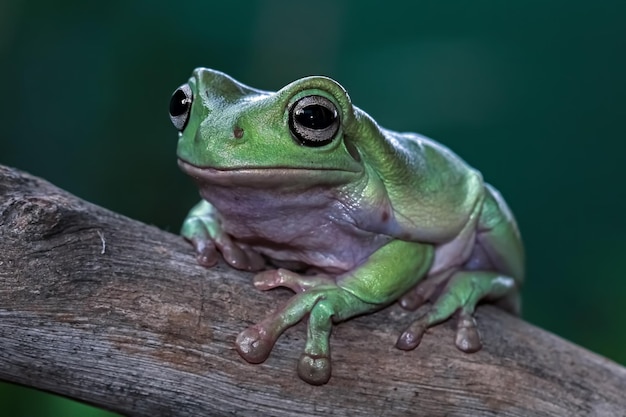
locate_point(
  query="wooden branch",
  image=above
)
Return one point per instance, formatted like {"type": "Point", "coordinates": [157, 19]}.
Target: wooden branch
{"type": "Point", "coordinates": [104, 309]}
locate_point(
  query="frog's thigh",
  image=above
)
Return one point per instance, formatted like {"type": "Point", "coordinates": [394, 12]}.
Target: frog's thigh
{"type": "Point", "coordinates": [500, 245]}
{"type": "Point", "coordinates": [464, 290]}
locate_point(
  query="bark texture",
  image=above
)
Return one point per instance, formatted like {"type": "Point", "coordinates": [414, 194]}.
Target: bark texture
{"type": "Point", "coordinates": [104, 309]}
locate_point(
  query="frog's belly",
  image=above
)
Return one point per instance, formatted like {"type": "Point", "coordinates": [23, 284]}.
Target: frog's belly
{"type": "Point", "coordinates": [323, 245]}
{"type": "Point", "coordinates": [310, 226]}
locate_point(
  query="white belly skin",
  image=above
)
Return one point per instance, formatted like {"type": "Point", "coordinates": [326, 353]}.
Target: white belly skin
{"type": "Point", "coordinates": [309, 227]}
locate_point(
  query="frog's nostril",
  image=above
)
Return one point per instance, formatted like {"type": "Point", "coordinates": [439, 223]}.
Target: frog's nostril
{"type": "Point", "coordinates": [238, 132]}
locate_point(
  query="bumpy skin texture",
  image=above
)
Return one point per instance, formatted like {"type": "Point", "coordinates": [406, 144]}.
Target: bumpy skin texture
{"type": "Point", "coordinates": [348, 215]}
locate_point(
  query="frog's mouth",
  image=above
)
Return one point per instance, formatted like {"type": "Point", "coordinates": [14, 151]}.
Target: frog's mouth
{"type": "Point", "coordinates": [260, 177]}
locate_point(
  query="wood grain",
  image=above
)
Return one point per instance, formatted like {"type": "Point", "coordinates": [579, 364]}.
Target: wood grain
{"type": "Point", "coordinates": [110, 311]}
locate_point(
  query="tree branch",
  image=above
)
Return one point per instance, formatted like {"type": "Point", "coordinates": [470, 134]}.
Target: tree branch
{"type": "Point", "coordinates": [104, 309]}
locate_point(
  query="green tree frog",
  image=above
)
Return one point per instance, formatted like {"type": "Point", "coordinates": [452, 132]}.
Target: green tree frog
{"type": "Point", "coordinates": [308, 189]}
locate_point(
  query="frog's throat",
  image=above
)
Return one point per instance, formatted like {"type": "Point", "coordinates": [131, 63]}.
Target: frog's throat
{"type": "Point", "coordinates": [268, 176]}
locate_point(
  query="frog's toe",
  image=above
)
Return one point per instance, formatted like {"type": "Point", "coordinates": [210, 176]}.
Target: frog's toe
{"type": "Point", "coordinates": [267, 280]}
{"type": "Point", "coordinates": [422, 292]}
{"type": "Point", "coordinates": [254, 345]}
{"type": "Point", "coordinates": [206, 253]}
{"type": "Point", "coordinates": [298, 283]}
{"type": "Point", "coordinates": [255, 261]}
{"type": "Point", "coordinates": [275, 278]}
{"type": "Point", "coordinates": [467, 335]}
{"type": "Point", "coordinates": [412, 336]}
{"type": "Point", "coordinates": [411, 301]}
{"type": "Point", "coordinates": [239, 257]}
{"type": "Point", "coordinates": [314, 369]}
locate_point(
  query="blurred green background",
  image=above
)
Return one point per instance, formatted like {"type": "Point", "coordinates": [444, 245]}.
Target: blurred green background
{"type": "Point", "coordinates": [531, 92]}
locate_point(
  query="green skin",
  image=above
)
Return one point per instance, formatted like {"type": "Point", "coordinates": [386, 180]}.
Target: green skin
{"type": "Point", "coordinates": [351, 216]}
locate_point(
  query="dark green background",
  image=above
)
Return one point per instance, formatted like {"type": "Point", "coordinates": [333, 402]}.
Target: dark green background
{"type": "Point", "coordinates": [530, 92]}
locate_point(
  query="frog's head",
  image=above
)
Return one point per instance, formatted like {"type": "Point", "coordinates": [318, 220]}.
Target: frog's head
{"type": "Point", "coordinates": [230, 133]}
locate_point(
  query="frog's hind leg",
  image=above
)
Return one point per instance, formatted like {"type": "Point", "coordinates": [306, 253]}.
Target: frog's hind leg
{"type": "Point", "coordinates": [464, 290]}
{"type": "Point", "coordinates": [501, 242]}
{"type": "Point", "coordinates": [493, 272]}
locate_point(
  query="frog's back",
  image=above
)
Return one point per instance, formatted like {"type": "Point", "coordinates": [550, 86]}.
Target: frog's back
{"type": "Point", "coordinates": [434, 192]}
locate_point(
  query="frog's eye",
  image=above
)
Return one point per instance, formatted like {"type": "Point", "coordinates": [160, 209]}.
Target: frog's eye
{"type": "Point", "coordinates": [180, 106]}
{"type": "Point", "coordinates": [314, 121]}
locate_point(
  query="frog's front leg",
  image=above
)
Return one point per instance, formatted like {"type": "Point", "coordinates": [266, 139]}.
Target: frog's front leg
{"type": "Point", "coordinates": [387, 274]}
{"type": "Point", "coordinates": [203, 229]}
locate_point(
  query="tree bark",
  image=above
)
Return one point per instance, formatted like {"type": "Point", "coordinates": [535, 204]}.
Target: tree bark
{"type": "Point", "coordinates": [110, 311]}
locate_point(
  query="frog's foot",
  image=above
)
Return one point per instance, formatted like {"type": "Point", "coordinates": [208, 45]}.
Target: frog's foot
{"type": "Point", "coordinates": [298, 283]}
{"type": "Point", "coordinates": [203, 231]}
{"type": "Point", "coordinates": [240, 257]}
{"type": "Point", "coordinates": [255, 343]}
{"type": "Point", "coordinates": [323, 304]}
{"type": "Point", "coordinates": [464, 290]}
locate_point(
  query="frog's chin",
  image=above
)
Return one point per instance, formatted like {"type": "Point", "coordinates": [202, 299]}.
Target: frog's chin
{"type": "Point", "coordinates": [259, 177]}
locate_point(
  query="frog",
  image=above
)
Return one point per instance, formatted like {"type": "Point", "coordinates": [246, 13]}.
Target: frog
{"type": "Point", "coordinates": [309, 192]}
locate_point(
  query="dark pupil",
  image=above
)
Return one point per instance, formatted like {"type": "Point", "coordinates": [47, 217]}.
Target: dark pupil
{"type": "Point", "coordinates": [179, 103]}
{"type": "Point", "coordinates": [315, 116]}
